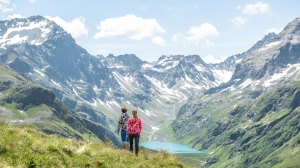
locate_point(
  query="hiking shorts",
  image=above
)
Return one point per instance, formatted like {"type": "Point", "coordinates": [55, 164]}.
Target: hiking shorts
{"type": "Point", "coordinates": [123, 136]}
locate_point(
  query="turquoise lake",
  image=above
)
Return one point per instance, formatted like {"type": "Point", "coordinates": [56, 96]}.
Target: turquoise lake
{"type": "Point", "coordinates": [169, 146]}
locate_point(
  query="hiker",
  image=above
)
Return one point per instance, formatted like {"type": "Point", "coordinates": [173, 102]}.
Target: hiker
{"type": "Point", "coordinates": [134, 128]}
{"type": "Point", "coordinates": [122, 123]}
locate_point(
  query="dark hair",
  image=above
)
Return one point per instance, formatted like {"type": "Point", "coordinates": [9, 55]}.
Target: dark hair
{"type": "Point", "coordinates": [124, 109]}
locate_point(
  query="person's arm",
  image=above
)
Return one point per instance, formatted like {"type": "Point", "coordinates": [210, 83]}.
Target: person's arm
{"type": "Point", "coordinates": [128, 126]}
{"type": "Point", "coordinates": [140, 125]}
{"type": "Point", "coordinates": [119, 124]}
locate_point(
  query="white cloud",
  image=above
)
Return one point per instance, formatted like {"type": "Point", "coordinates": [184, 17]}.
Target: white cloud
{"type": "Point", "coordinates": [130, 27]}
{"type": "Point", "coordinates": [239, 20]}
{"type": "Point", "coordinates": [259, 7]}
{"type": "Point", "coordinates": [197, 33]}
{"type": "Point", "coordinates": [209, 43]}
{"type": "Point", "coordinates": [176, 37]}
{"type": "Point", "coordinates": [238, 7]}
{"type": "Point", "coordinates": [32, 1]}
{"type": "Point", "coordinates": [14, 16]}
{"type": "Point", "coordinates": [6, 7]}
{"type": "Point", "coordinates": [275, 30]}
{"type": "Point", "coordinates": [159, 41]}
{"type": "Point", "coordinates": [5, 1]}
{"type": "Point", "coordinates": [76, 27]}
{"type": "Point", "coordinates": [212, 59]}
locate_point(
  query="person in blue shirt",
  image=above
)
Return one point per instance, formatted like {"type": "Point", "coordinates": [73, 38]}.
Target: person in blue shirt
{"type": "Point", "coordinates": [122, 126]}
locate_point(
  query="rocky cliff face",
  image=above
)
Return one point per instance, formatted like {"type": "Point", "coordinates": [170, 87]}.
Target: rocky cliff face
{"type": "Point", "coordinates": [273, 57]}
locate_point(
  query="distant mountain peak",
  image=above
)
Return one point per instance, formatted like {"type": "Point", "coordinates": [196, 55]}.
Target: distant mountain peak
{"type": "Point", "coordinates": [129, 56]}
{"type": "Point", "coordinates": [230, 63]}
{"type": "Point", "coordinates": [292, 28]}
{"type": "Point", "coordinates": [36, 18]}
{"type": "Point", "coordinates": [34, 30]}
{"type": "Point", "coordinates": [128, 60]}
{"type": "Point", "coordinates": [267, 38]}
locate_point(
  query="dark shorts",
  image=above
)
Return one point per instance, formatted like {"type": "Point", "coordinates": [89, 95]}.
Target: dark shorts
{"type": "Point", "coordinates": [123, 136]}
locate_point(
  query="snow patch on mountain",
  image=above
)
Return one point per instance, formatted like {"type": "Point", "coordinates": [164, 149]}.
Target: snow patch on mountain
{"type": "Point", "coordinates": [112, 104]}
{"type": "Point", "coordinates": [34, 33]}
{"type": "Point", "coordinates": [269, 45]}
{"type": "Point", "coordinates": [245, 83]}
{"type": "Point", "coordinates": [222, 75]}
{"type": "Point", "coordinates": [96, 89]}
{"type": "Point", "coordinates": [155, 128]}
{"type": "Point", "coordinates": [55, 83]}
{"type": "Point", "coordinates": [124, 82]}
{"type": "Point", "coordinates": [146, 66]}
{"type": "Point", "coordinates": [289, 71]}
{"type": "Point", "coordinates": [166, 93]}
{"type": "Point", "coordinates": [39, 72]}
{"type": "Point", "coordinates": [147, 112]}
{"type": "Point", "coordinates": [187, 83]}
{"type": "Point", "coordinates": [94, 103]}
{"type": "Point", "coordinates": [161, 66]}
{"type": "Point", "coordinates": [75, 92]}
{"type": "Point", "coordinates": [200, 68]}
{"type": "Point", "coordinates": [238, 61]}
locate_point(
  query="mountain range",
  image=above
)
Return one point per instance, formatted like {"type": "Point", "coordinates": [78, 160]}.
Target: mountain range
{"type": "Point", "coordinates": [96, 86]}
{"type": "Point", "coordinates": [179, 98]}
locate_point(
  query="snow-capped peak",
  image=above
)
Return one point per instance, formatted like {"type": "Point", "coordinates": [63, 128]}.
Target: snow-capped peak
{"type": "Point", "coordinates": [34, 30]}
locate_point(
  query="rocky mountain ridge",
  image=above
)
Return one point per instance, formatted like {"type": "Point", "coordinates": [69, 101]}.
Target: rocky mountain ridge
{"type": "Point", "coordinates": [229, 63]}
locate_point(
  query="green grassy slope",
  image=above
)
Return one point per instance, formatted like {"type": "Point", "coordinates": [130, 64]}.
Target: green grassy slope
{"type": "Point", "coordinates": [26, 147]}
{"type": "Point", "coordinates": [239, 131]}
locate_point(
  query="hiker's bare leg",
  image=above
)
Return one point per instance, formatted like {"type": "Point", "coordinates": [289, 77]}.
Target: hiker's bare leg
{"type": "Point", "coordinates": [124, 145]}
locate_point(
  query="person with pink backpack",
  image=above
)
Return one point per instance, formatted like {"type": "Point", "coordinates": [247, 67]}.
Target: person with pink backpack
{"type": "Point", "coordinates": [134, 128]}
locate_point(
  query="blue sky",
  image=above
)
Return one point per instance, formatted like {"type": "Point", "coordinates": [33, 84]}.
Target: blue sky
{"type": "Point", "coordinates": [214, 30]}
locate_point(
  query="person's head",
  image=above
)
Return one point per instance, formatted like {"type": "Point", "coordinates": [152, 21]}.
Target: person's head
{"type": "Point", "coordinates": [134, 113]}
{"type": "Point", "coordinates": [124, 109]}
